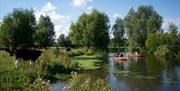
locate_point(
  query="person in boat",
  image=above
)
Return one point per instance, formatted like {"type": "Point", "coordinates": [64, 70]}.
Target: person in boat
{"type": "Point", "coordinates": [136, 53]}
{"type": "Point", "coordinates": [121, 55]}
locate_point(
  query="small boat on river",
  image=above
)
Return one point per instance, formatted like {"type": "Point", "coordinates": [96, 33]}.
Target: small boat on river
{"type": "Point", "coordinates": [120, 57]}
{"type": "Point", "coordinates": [136, 54]}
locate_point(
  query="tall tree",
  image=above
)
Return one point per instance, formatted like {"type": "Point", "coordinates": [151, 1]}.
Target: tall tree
{"type": "Point", "coordinates": [118, 32]}
{"type": "Point", "coordinates": [173, 29]}
{"type": "Point", "coordinates": [76, 34]}
{"type": "Point", "coordinates": [17, 28]}
{"type": "Point", "coordinates": [174, 44]}
{"type": "Point", "coordinates": [45, 34]}
{"type": "Point", "coordinates": [91, 30]}
{"type": "Point", "coordinates": [129, 25]}
{"type": "Point", "coordinates": [61, 40]}
{"type": "Point", "coordinates": [141, 23]}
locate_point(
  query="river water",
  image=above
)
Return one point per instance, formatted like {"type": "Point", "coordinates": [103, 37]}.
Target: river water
{"type": "Point", "coordinates": [137, 74]}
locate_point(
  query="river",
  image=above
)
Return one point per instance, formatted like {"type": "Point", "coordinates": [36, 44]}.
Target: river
{"type": "Point", "coordinates": [137, 74]}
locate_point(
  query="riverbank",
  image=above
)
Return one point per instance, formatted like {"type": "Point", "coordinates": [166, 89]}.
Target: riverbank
{"type": "Point", "coordinates": [51, 66]}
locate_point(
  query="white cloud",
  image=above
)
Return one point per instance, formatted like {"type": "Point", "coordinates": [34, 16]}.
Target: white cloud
{"type": "Point", "coordinates": [48, 7]}
{"type": "Point", "coordinates": [117, 15]}
{"type": "Point", "coordinates": [61, 22]}
{"type": "Point", "coordinates": [79, 3]}
{"type": "Point", "coordinates": [89, 9]}
{"type": "Point", "coordinates": [167, 21]}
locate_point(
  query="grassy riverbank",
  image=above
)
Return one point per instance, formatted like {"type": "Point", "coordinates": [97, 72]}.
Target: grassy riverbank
{"type": "Point", "coordinates": [52, 65]}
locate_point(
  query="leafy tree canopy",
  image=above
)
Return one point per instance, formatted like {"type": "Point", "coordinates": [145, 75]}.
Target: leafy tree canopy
{"type": "Point", "coordinates": [118, 32]}
{"type": "Point", "coordinates": [91, 30]}
{"type": "Point", "coordinates": [140, 24]}
{"type": "Point", "coordinates": [44, 35]}
{"type": "Point", "coordinates": [17, 28]}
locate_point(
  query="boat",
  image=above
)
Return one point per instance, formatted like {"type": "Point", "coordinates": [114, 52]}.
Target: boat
{"type": "Point", "coordinates": [136, 55]}
{"type": "Point", "coordinates": [121, 58]}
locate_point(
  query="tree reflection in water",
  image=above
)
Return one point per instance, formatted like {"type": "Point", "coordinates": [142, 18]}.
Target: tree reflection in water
{"type": "Point", "coordinates": [145, 74]}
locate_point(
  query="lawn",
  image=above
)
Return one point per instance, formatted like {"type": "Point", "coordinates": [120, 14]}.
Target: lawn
{"type": "Point", "coordinates": [87, 64]}
{"type": "Point", "coordinates": [85, 57]}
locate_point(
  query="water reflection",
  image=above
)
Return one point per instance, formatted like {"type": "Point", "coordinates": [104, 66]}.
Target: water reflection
{"type": "Point", "coordinates": [59, 86]}
{"type": "Point", "coordinates": [144, 74]}
{"type": "Point", "coordinates": [137, 74]}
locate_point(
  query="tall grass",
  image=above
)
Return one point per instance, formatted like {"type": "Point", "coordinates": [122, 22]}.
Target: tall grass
{"type": "Point", "coordinates": [49, 67]}
{"type": "Point", "coordinates": [82, 82]}
{"type": "Point", "coordinates": [77, 52]}
{"type": "Point", "coordinates": [36, 76]}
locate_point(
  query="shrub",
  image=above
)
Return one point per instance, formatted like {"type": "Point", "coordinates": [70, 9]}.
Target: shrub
{"type": "Point", "coordinates": [84, 83]}
{"type": "Point", "coordinates": [27, 77]}
{"type": "Point", "coordinates": [77, 52]}
{"type": "Point", "coordinates": [163, 51]}
{"type": "Point", "coordinates": [41, 85]}
{"type": "Point", "coordinates": [74, 65]}
{"type": "Point", "coordinates": [22, 78]}
{"type": "Point", "coordinates": [13, 79]}
{"type": "Point", "coordinates": [90, 52]}
{"type": "Point", "coordinates": [56, 51]}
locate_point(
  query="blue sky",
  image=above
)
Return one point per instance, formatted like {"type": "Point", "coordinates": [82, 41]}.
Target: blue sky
{"type": "Point", "coordinates": [63, 12]}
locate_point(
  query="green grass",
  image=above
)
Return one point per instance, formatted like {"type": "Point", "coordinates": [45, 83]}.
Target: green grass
{"type": "Point", "coordinates": [86, 57]}
{"type": "Point", "coordinates": [22, 77]}
{"type": "Point", "coordinates": [87, 64]}
{"type": "Point", "coordinates": [6, 62]}
{"type": "Point", "coordinates": [59, 68]}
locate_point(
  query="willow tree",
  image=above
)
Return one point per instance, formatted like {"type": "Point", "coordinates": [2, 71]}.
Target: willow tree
{"type": "Point", "coordinates": [17, 28]}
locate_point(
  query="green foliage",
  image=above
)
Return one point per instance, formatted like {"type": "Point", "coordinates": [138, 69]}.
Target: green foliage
{"type": "Point", "coordinates": [33, 77]}
{"type": "Point", "coordinates": [17, 29]}
{"type": "Point", "coordinates": [24, 77]}
{"type": "Point", "coordinates": [166, 44]}
{"type": "Point", "coordinates": [45, 34]}
{"type": "Point", "coordinates": [152, 42]}
{"type": "Point", "coordinates": [61, 40]}
{"type": "Point", "coordinates": [91, 30]}
{"type": "Point", "coordinates": [41, 37]}
{"type": "Point", "coordinates": [77, 52]}
{"type": "Point", "coordinates": [86, 64]}
{"type": "Point", "coordinates": [64, 41]}
{"type": "Point", "coordinates": [85, 83]}
{"type": "Point", "coordinates": [173, 29]}
{"type": "Point", "coordinates": [118, 32]}
{"type": "Point", "coordinates": [90, 52]}
{"type": "Point", "coordinates": [140, 24]}
{"type": "Point", "coordinates": [163, 51]}
{"type": "Point", "coordinates": [41, 85]}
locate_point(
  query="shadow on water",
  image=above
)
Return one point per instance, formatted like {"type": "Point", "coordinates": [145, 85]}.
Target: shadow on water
{"type": "Point", "coordinates": [137, 74]}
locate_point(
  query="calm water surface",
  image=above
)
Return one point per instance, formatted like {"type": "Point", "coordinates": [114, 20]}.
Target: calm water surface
{"type": "Point", "coordinates": [137, 74]}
